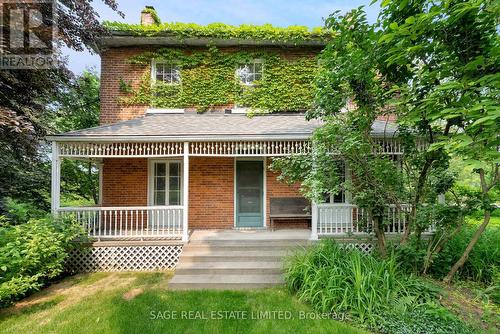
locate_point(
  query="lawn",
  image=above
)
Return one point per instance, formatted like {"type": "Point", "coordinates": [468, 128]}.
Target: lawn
{"type": "Point", "coordinates": [140, 303]}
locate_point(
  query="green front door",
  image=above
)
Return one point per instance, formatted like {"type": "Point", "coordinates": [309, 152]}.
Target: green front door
{"type": "Point", "coordinates": [249, 193]}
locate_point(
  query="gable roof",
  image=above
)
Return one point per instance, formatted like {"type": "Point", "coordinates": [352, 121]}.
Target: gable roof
{"type": "Point", "coordinates": [209, 127]}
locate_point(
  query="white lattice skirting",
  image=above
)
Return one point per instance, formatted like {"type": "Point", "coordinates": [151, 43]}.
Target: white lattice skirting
{"type": "Point", "coordinates": [363, 247]}
{"type": "Point", "coordinates": [124, 258]}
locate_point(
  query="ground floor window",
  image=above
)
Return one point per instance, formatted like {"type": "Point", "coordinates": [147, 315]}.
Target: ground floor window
{"type": "Point", "coordinates": [166, 182]}
{"type": "Point", "coordinates": [340, 196]}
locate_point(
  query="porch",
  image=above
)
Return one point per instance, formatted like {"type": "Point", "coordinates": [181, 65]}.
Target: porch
{"type": "Point", "coordinates": [167, 222]}
{"type": "Point", "coordinates": [208, 172]}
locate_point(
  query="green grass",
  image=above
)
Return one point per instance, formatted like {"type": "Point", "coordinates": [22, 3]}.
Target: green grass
{"type": "Point", "coordinates": [128, 302]}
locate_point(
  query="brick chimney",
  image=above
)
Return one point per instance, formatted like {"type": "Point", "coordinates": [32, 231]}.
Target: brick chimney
{"type": "Point", "coordinates": [149, 16]}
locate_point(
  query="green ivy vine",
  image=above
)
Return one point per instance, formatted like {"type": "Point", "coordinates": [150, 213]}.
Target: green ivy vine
{"type": "Point", "coordinates": [224, 31]}
{"type": "Point", "coordinates": [208, 80]}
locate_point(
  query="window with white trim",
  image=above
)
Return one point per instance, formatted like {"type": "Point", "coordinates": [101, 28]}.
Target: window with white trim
{"type": "Point", "coordinates": [250, 72]}
{"type": "Point", "coordinates": [166, 183]}
{"type": "Point", "coordinates": [167, 73]}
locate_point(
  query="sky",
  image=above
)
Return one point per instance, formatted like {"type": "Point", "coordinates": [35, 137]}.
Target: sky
{"type": "Point", "coordinates": [278, 12]}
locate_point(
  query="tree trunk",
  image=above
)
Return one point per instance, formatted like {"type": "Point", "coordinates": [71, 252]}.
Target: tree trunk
{"type": "Point", "coordinates": [472, 243]}
{"type": "Point", "coordinates": [379, 233]}
{"type": "Point", "coordinates": [485, 188]}
{"type": "Point", "coordinates": [431, 253]}
{"type": "Point", "coordinates": [418, 194]}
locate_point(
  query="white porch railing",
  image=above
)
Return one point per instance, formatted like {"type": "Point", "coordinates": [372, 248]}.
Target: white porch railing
{"type": "Point", "coordinates": [129, 222]}
{"type": "Point", "coordinates": [340, 218]}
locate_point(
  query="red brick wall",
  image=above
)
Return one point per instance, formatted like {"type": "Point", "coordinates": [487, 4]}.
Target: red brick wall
{"type": "Point", "coordinates": [115, 66]}
{"type": "Point", "coordinates": [211, 190]}
{"type": "Point", "coordinates": [125, 182]}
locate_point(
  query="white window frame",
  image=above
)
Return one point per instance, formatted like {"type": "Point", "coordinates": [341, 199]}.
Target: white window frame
{"type": "Point", "coordinates": [155, 62]}
{"type": "Point", "coordinates": [346, 195]}
{"type": "Point", "coordinates": [151, 180]}
{"type": "Point", "coordinates": [252, 64]}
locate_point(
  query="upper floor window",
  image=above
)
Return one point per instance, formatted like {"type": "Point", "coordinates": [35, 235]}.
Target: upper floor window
{"type": "Point", "coordinates": [167, 72]}
{"type": "Point", "coordinates": [250, 72]}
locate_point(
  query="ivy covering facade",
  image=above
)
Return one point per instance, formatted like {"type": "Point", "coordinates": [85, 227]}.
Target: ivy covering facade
{"type": "Point", "coordinates": [208, 79]}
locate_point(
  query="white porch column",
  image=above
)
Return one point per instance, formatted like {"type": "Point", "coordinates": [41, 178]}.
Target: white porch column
{"type": "Point", "coordinates": [314, 222]}
{"type": "Point", "coordinates": [56, 179]}
{"type": "Point", "coordinates": [185, 198]}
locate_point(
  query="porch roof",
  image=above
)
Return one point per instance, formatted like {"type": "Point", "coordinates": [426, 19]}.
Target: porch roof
{"type": "Point", "coordinates": [209, 127]}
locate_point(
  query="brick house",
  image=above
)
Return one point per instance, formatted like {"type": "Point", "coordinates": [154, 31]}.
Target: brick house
{"type": "Point", "coordinates": [176, 156]}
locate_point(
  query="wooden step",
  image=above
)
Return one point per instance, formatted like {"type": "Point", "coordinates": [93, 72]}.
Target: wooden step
{"type": "Point", "coordinates": [228, 268]}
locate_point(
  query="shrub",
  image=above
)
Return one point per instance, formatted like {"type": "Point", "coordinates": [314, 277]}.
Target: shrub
{"type": "Point", "coordinates": [33, 253]}
{"type": "Point", "coordinates": [21, 212]}
{"type": "Point", "coordinates": [336, 280]}
{"type": "Point", "coordinates": [483, 264]}
{"type": "Point", "coordinates": [433, 319]}
{"type": "Point", "coordinates": [375, 293]}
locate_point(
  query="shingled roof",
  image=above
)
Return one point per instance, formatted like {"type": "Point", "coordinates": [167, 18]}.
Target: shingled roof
{"type": "Point", "coordinates": [210, 127]}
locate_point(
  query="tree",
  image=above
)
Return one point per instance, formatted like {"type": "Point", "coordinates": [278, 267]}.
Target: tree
{"type": "Point", "coordinates": [350, 76]}
{"type": "Point", "coordinates": [78, 108]}
{"type": "Point", "coordinates": [26, 98]}
{"type": "Point", "coordinates": [445, 62]}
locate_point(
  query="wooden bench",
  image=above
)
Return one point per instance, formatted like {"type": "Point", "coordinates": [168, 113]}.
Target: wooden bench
{"type": "Point", "coordinates": [289, 208]}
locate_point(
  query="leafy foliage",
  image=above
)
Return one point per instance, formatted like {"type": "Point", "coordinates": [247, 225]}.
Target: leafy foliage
{"type": "Point", "coordinates": [26, 95]}
{"type": "Point", "coordinates": [26, 101]}
{"type": "Point", "coordinates": [373, 292]}
{"type": "Point", "coordinates": [33, 253]}
{"type": "Point", "coordinates": [223, 31]}
{"type": "Point", "coordinates": [434, 319]}
{"type": "Point", "coordinates": [349, 79]}
{"type": "Point", "coordinates": [334, 279]}
{"type": "Point", "coordinates": [79, 109]}
{"type": "Point", "coordinates": [208, 79]}
{"type": "Point", "coordinates": [24, 177]}
{"type": "Point", "coordinates": [483, 263]}
{"type": "Point", "coordinates": [443, 62]}
{"type": "Point", "coordinates": [20, 213]}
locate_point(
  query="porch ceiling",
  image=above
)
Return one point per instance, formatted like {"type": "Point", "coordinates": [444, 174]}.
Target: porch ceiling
{"type": "Point", "coordinates": [192, 127]}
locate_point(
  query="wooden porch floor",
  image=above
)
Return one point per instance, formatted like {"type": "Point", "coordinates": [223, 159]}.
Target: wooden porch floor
{"type": "Point", "coordinates": [210, 235]}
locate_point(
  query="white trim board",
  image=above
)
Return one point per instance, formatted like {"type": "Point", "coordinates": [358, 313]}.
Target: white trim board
{"type": "Point", "coordinates": [164, 111]}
